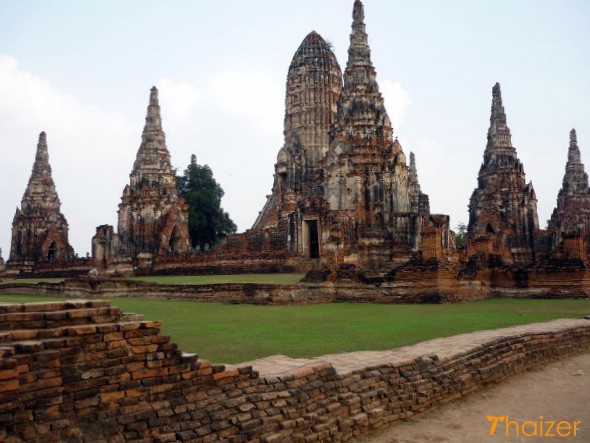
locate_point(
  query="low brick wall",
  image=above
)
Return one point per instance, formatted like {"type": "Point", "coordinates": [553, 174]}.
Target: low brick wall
{"type": "Point", "coordinates": [250, 293]}
{"type": "Point", "coordinates": [84, 371]}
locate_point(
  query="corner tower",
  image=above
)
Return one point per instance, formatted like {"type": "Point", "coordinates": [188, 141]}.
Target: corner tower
{"type": "Point", "coordinates": [572, 213]}
{"type": "Point", "coordinates": [39, 229]}
{"type": "Point", "coordinates": [153, 217]}
{"type": "Point", "coordinates": [503, 207]}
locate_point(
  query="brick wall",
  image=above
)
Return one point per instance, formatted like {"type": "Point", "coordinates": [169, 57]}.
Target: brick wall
{"type": "Point", "coordinates": [84, 371]}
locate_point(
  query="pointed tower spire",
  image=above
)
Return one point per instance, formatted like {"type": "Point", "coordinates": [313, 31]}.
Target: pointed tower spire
{"type": "Point", "coordinates": [41, 157]}
{"type": "Point", "coordinates": [499, 132]}
{"type": "Point", "coordinates": [359, 52]}
{"type": "Point", "coordinates": [419, 202]}
{"type": "Point", "coordinates": [413, 171]}
{"type": "Point", "coordinates": [572, 213]}
{"type": "Point", "coordinates": [39, 229]}
{"type": "Point", "coordinates": [41, 190]}
{"type": "Point", "coordinates": [152, 157]}
{"type": "Point", "coordinates": [573, 155]}
{"type": "Point", "coordinates": [575, 178]}
{"type": "Point", "coordinates": [153, 120]}
{"type": "Point", "coordinates": [152, 214]}
{"type": "Point", "coordinates": [503, 207]}
{"type": "Point", "coordinates": [361, 113]}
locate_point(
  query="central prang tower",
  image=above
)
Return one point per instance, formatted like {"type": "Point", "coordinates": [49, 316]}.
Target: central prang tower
{"type": "Point", "coordinates": [343, 192]}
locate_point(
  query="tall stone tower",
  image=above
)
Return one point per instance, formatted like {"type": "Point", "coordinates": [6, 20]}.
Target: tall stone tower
{"type": "Point", "coordinates": [503, 207]}
{"type": "Point", "coordinates": [362, 120]}
{"type": "Point", "coordinates": [39, 229]}
{"type": "Point", "coordinates": [343, 192]}
{"type": "Point", "coordinates": [572, 213]}
{"type": "Point", "coordinates": [314, 84]}
{"type": "Point", "coordinates": [153, 217]}
{"type": "Point", "coordinates": [367, 180]}
{"type": "Point", "coordinates": [366, 169]}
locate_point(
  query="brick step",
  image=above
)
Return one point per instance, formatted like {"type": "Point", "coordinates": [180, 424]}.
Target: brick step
{"type": "Point", "coordinates": [41, 320]}
{"type": "Point", "coordinates": [128, 316]}
{"type": "Point", "coordinates": [52, 306]}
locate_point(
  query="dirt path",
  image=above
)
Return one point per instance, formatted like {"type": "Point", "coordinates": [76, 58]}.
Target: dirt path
{"type": "Point", "coordinates": [558, 391]}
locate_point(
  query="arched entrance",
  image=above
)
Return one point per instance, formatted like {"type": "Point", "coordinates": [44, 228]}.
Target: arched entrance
{"type": "Point", "coordinates": [52, 252]}
{"type": "Point", "coordinates": [175, 239]}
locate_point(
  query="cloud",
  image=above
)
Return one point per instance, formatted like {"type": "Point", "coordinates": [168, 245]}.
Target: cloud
{"type": "Point", "coordinates": [397, 100]}
{"type": "Point", "coordinates": [90, 151]}
{"type": "Point", "coordinates": [251, 94]}
{"type": "Point", "coordinates": [179, 100]}
{"type": "Point", "coordinates": [232, 120]}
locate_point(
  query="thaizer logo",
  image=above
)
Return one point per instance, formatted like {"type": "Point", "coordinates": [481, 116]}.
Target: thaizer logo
{"type": "Point", "coordinates": [530, 428]}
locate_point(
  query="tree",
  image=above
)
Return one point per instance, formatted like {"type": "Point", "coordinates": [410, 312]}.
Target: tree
{"type": "Point", "coordinates": [460, 235]}
{"type": "Point", "coordinates": [207, 221]}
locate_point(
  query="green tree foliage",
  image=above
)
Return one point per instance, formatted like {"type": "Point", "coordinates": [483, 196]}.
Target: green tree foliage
{"type": "Point", "coordinates": [460, 235]}
{"type": "Point", "coordinates": [207, 221]}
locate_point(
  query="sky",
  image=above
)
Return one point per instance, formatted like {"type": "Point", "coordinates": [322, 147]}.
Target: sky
{"type": "Point", "coordinates": [82, 71]}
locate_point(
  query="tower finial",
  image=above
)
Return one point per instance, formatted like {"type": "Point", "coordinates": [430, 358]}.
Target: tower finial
{"type": "Point", "coordinates": [413, 171]}
{"type": "Point", "coordinates": [499, 132]}
{"type": "Point", "coordinates": [358, 11]}
{"type": "Point", "coordinates": [361, 104]}
{"type": "Point", "coordinates": [573, 154]}
{"type": "Point", "coordinates": [193, 159]}
{"type": "Point", "coordinates": [41, 156]}
{"type": "Point", "coordinates": [359, 52]}
{"type": "Point", "coordinates": [154, 96]}
{"type": "Point", "coordinates": [153, 120]}
{"type": "Point", "coordinates": [573, 137]}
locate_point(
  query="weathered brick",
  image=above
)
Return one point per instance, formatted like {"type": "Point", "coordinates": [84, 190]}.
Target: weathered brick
{"type": "Point", "coordinates": [9, 385]}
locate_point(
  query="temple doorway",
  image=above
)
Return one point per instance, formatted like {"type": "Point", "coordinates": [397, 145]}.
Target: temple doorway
{"type": "Point", "coordinates": [52, 252]}
{"type": "Point", "coordinates": [312, 237]}
{"type": "Point", "coordinates": [175, 239]}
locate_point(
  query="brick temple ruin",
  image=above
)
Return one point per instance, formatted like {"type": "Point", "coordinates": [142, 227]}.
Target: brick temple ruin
{"type": "Point", "coordinates": [153, 216]}
{"type": "Point", "coordinates": [39, 229]}
{"type": "Point", "coordinates": [346, 205]}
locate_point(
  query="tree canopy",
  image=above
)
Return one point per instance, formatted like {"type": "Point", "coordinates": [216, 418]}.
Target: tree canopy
{"type": "Point", "coordinates": [207, 221]}
{"type": "Point", "coordinates": [460, 235]}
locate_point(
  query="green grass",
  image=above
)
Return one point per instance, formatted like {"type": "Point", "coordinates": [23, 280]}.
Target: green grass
{"type": "Point", "coordinates": [283, 279]}
{"type": "Point", "coordinates": [225, 333]}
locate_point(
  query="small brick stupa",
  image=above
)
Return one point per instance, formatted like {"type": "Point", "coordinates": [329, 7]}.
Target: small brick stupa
{"type": "Point", "coordinates": [39, 229]}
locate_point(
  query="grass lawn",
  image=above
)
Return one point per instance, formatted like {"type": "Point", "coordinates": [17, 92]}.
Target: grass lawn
{"type": "Point", "coordinates": [225, 333]}
{"type": "Point", "coordinates": [281, 279]}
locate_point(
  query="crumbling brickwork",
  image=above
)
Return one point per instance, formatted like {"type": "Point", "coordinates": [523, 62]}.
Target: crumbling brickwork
{"type": "Point", "coordinates": [84, 371]}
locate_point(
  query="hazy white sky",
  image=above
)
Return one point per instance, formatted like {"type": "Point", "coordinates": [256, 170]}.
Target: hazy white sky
{"type": "Point", "coordinates": [81, 71]}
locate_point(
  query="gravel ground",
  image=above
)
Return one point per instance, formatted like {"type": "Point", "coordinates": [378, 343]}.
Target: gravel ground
{"type": "Point", "coordinates": [559, 391]}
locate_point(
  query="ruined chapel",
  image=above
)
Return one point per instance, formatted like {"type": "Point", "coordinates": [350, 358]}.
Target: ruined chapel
{"type": "Point", "coordinates": [346, 206]}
